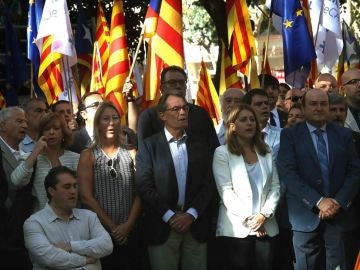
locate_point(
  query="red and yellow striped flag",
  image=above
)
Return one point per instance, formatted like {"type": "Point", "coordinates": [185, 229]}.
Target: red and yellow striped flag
{"type": "Point", "coordinates": [163, 30]}
{"type": "Point", "coordinates": [118, 66]}
{"type": "Point", "coordinates": [228, 75]}
{"type": "Point", "coordinates": [265, 65]}
{"type": "Point", "coordinates": [97, 82]}
{"type": "Point", "coordinates": [240, 33]}
{"type": "Point", "coordinates": [207, 96]}
{"type": "Point", "coordinates": [102, 37]}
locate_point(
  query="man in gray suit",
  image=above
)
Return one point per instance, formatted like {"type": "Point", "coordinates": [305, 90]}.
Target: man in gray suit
{"type": "Point", "coordinates": [12, 131]}
{"type": "Point", "coordinates": [259, 101]}
{"type": "Point", "coordinates": [350, 81]}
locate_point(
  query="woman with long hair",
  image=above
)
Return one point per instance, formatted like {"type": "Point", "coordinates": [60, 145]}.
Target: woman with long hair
{"type": "Point", "coordinates": [247, 181]}
{"type": "Point", "coordinates": [49, 152]}
{"type": "Point", "coordinates": [107, 186]}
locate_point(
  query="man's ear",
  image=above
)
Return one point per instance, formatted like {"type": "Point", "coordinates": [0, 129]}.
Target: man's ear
{"type": "Point", "coordinates": [162, 116]}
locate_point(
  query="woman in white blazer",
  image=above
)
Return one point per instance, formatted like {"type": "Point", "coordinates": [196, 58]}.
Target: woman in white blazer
{"type": "Point", "coordinates": [249, 189]}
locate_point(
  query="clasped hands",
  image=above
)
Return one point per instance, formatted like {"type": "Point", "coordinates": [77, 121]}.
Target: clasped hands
{"type": "Point", "coordinates": [255, 223]}
{"type": "Point", "coordinates": [120, 233]}
{"type": "Point", "coordinates": [181, 222]}
{"type": "Point", "coordinates": [328, 207]}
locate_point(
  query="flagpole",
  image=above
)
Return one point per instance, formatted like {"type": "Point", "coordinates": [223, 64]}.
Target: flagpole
{"type": "Point", "coordinates": [266, 49]}
{"type": "Point", "coordinates": [136, 54]}
{"type": "Point", "coordinates": [31, 81]}
{"type": "Point", "coordinates": [67, 81]}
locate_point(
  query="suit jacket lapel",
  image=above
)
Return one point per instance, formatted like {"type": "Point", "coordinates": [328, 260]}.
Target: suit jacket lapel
{"type": "Point", "coordinates": [7, 155]}
{"type": "Point", "coordinates": [308, 143]}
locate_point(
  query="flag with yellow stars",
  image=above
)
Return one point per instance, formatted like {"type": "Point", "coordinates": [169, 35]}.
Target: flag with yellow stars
{"type": "Point", "coordinates": [298, 48]}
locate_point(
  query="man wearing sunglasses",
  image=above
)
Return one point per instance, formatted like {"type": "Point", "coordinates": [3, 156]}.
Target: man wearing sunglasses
{"type": "Point", "coordinates": [87, 109]}
{"type": "Point", "coordinates": [351, 85]}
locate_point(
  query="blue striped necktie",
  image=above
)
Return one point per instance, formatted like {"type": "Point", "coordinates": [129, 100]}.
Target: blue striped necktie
{"type": "Point", "coordinates": [323, 160]}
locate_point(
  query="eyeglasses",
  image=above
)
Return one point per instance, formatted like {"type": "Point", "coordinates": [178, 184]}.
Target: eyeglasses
{"type": "Point", "coordinates": [177, 109]}
{"type": "Point", "coordinates": [353, 82]}
{"type": "Point", "coordinates": [175, 82]}
{"type": "Point", "coordinates": [41, 110]}
{"type": "Point", "coordinates": [93, 105]}
{"type": "Point", "coordinates": [294, 98]}
{"type": "Point", "coordinates": [113, 172]}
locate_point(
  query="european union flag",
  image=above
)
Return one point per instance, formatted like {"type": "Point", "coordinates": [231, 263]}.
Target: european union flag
{"type": "Point", "coordinates": [298, 47]}
{"type": "Point", "coordinates": [34, 18]}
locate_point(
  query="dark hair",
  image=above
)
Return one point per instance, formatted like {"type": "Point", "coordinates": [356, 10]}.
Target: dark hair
{"type": "Point", "coordinates": [29, 104]}
{"type": "Point", "coordinates": [51, 179]}
{"type": "Point", "coordinates": [162, 105]}
{"type": "Point", "coordinates": [171, 68]}
{"type": "Point", "coordinates": [296, 106]}
{"type": "Point", "coordinates": [53, 106]}
{"type": "Point", "coordinates": [247, 99]}
{"type": "Point", "coordinates": [47, 120]}
{"type": "Point", "coordinates": [269, 81]}
{"type": "Point", "coordinates": [335, 98]}
{"type": "Point", "coordinates": [232, 140]}
{"type": "Point", "coordinates": [285, 85]}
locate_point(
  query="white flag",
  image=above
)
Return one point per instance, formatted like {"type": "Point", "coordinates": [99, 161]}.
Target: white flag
{"type": "Point", "coordinates": [55, 22]}
{"type": "Point", "coordinates": [327, 31]}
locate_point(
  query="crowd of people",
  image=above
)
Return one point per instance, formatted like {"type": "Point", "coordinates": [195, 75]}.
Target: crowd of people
{"type": "Point", "coordinates": [275, 185]}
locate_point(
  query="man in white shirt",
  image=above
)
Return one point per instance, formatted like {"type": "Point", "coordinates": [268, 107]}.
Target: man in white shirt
{"type": "Point", "coordinates": [61, 236]}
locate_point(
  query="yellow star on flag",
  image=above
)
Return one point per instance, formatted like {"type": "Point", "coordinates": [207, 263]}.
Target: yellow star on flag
{"type": "Point", "coordinates": [31, 2]}
{"type": "Point", "coordinates": [299, 12]}
{"type": "Point", "coordinates": [288, 23]}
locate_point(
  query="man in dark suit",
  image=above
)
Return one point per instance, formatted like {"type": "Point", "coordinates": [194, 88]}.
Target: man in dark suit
{"type": "Point", "coordinates": [271, 85]}
{"type": "Point", "coordinates": [176, 186]}
{"type": "Point", "coordinates": [173, 79]}
{"type": "Point", "coordinates": [318, 164]}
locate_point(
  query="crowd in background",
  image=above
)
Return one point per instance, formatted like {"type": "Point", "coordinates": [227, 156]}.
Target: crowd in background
{"type": "Point", "coordinates": [275, 185]}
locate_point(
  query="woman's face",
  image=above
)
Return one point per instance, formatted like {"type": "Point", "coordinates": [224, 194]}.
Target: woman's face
{"type": "Point", "coordinates": [53, 133]}
{"type": "Point", "coordinates": [245, 125]}
{"type": "Point", "coordinates": [109, 123]}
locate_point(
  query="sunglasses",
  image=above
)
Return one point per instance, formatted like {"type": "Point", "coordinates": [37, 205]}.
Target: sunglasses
{"type": "Point", "coordinates": [295, 98]}
{"type": "Point", "coordinates": [113, 172]}
{"type": "Point", "coordinates": [93, 105]}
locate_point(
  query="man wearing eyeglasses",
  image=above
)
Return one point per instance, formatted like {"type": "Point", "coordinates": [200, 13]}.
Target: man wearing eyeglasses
{"type": "Point", "coordinates": [175, 183]}
{"type": "Point", "coordinates": [87, 109]}
{"type": "Point", "coordinates": [351, 85]}
{"type": "Point", "coordinates": [173, 80]}
{"type": "Point", "coordinates": [34, 109]}
{"type": "Point", "coordinates": [292, 96]}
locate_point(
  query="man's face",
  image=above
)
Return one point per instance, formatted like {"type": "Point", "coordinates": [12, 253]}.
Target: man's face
{"type": "Point", "coordinates": [64, 109]}
{"type": "Point", "coordinates": [91, 103]}
{"type": "Point", "coordinates": [291, 97]}
{"type": "Point", "coordinates": [282, 91]}
{"type": "Point", "coordinates": [261, 106]}
{"type": "Point", "coordinates": [352, 86]}
{"type": "Point", "coordinates": [273, 93]}
{"type": "Point", "coordinates": [174, 82]}
{"type": "Point", "coordinates": [338, 113]}
{"type": "Point", "coordinates": [176, 115]}
{"type": "Point", "coordinates": [14, 128]}
{"type": "Point", "coordinates": [316, 109]}
{"type": "Point", "coordinates": [35, 113]}
{"type": "Point", "coordinates": [230, 99]}
{"type": "Point", "coordinates": [64, 195]}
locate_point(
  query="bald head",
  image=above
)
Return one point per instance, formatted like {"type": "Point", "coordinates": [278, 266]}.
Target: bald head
{"type": "Point", "coordinates": [231, 98]}
{"type": "Point", "coordinates": [350, 81]}
{"type": "Point", "coordinates": [316, 107]}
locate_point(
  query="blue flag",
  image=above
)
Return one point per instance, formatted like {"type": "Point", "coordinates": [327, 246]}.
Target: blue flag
{"type": "Point", "coordinates": [298, 47]}
{"type": "Point", "coordinates": [351, 47]}
{"type": "Point", "coordinates": [83, 40]}
{"type": "Point", "coordinates": [34, 18]}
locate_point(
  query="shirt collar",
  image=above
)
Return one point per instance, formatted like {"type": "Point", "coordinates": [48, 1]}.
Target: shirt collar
{"type": "Point", "coordinates": [275, 113]}
{"type": "Point", "coordinates": [313, 128]}
{"type": "Point", "coordinates": [16, 153]}
{"type": "Point", "coordinates": [51, 216]}
{"type": "Point", "coordinates": [267, 128]}
{"type": "Point", "coordinates": [27, 140]}
{"type": "Point", "coordinates": [170, 138]}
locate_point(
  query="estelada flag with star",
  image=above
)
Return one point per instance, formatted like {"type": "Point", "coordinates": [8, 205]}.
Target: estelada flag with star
{"type": "Point", "coordinates": [297, 44]}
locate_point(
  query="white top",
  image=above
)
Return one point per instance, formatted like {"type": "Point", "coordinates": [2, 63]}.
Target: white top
{"type": "Point", "coordinates": [21, 175]}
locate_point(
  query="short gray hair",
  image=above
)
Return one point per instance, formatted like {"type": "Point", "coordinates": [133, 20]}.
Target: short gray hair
{"type": "Point", "coordinates": [7, 112]}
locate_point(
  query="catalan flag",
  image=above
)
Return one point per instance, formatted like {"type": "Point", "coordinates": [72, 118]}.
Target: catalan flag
{"type": "Point", "coordinates": [83, 44]}
{"type": "Point", "coordinates": [228, 75]}
{"type": "Point", "coordinates": [97, 82]}
{"type": "Point", "coordinates": [240, 33]}
{"type": "Point", "coordinates": [34, 17]}
{"type": "Point", "coordinates": [118, 66]}
{"type": "Point", "coordinates": [265, 65]}
{"type": "Point", "coordinates": [56, 44]}
{"type": "Point", "coordinates": [207, 96]}
{"type": "Point", "coordinates": [102, 38]}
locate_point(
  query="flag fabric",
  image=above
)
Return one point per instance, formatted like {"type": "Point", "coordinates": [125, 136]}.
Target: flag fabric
{"type": "Point", "coordinates": [56, 44]}
{"type": "Point", "coordinates": [163, 33]}
{"type": "Point", "coordinates": [207, 97]}
{"type": "Point", "coordinates": [97, 81]}
{"type": "Point", "coordinates": [34, 17]}
{"type": "Point", "coordinates": [253, 74]}
{"type": "Point", "coordinates": [329, 41]}
{"type": "Point", "coordinates": [265, 65]}
{"type": "Point", "coordinates": [83, 45]}
{"type": "Point", "coordinates": [350, 56]}
{"type": "Point", "coordinates": [240, 33]}
{"type": "Point", "coordinates": [118, 66]}
{"type": "Point", "coordinates": [228, 75]}
{"type": "Point", "coordinates": [296, 38]}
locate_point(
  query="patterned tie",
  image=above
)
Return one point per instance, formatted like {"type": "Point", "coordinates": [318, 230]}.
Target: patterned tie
{"type": "Point", "coordinates": [272, 119]}
{"type": "Point", "coordinates": [323, 160]}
